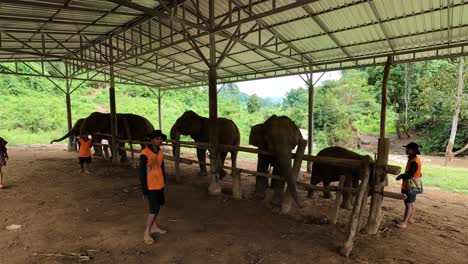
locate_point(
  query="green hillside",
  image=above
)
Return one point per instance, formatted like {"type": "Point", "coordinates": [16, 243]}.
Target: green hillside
{"type": "Point", "coordinates": [33, 109]}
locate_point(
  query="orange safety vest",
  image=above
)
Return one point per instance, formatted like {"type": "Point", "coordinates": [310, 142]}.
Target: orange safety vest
{"type": "Point", "coordinates": [154, 173]}
{"type": "Point", "coordinates": [85, 148]}
{"type": "Point", "coordinates": [417, 175]}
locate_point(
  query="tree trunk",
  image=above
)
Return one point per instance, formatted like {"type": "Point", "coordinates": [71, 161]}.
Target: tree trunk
{"type": "Point", "coordinates": [448, 152]}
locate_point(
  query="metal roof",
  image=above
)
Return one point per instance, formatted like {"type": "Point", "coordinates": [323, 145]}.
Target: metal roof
{"type": "Point", "coordinates": [155, 42]}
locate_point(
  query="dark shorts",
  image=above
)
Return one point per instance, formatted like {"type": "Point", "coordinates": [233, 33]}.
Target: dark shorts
{"type": "Point", "coordinates": [156, 200]}
{"type": "Point", "coordinates": [84, 160]}
{"type": "Point", "coordinates": [410, 196]}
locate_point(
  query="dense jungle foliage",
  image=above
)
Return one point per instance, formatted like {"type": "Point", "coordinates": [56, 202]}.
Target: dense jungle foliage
{"type": "Point", "coordinates": [33, 109]}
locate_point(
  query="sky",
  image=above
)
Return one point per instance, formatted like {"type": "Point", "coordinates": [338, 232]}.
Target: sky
{"type": "Point", "coordinates": [278, 87]}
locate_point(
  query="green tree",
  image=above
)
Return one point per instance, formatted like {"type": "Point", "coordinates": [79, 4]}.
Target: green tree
{"type": "Point", "coordinates": [254, 104]}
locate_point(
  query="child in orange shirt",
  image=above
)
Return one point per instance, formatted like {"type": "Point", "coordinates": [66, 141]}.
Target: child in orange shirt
{"type": "Point", "coordinates": [85, 143]}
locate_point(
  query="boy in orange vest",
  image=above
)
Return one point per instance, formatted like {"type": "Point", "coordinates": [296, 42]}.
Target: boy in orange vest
{"type": "Point", "coordinates": [3, 159]}
{"type": "Point", "coordinates": [152, 178]}
{"type": "Point", "coordinates": [412, 174]}
{"type": "Point", "coordinates": [85, 143]}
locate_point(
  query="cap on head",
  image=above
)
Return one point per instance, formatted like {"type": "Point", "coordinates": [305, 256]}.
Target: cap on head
{"type": "Point", "coordinates": [413, 146]}
{"type": "Point", "coordinates": [157, 133]}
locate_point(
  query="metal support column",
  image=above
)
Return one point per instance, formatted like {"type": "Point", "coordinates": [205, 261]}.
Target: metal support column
{"type": "Point", "coordinates": [310, 127]}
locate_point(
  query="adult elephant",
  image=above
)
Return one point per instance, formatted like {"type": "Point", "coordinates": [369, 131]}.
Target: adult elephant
{"type": "Point", "coordinates": [198, 128]}
{"type": "Point", "coordinates": [278, 135]}
{"type": "Point", "coordinates": [328, 174]}
{"type": "Point", "coordinates": [138, 127]}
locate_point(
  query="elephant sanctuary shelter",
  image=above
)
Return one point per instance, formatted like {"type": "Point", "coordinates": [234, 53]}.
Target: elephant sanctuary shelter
{"type": "Point", "coordinates": [50, 213]}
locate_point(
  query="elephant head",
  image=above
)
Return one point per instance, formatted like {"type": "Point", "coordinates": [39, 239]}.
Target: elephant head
{"type": "Point", "coordinates": [189, 123]}
{"type": "Point", "coordinates": [279, 136]}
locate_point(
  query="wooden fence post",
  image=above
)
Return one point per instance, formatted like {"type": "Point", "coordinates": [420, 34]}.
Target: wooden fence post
{"type": "Point", "coordinates": [354, 220]}
{"type": "Point", "coordinates": [176, 148]}
{"type": "Point", "coordinates": [236, 184]}
{"type": "Point", "coordinates": [287, 201]}
{"type": "Point", "coordinates": [338, 200]}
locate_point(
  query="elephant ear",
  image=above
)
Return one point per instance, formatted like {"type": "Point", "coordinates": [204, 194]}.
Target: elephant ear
{"type": "Point", "coordinates": [256, 136]}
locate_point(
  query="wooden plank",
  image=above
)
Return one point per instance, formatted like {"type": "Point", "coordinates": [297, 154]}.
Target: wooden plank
{"type": "Point", "coordinates": [287, 201]}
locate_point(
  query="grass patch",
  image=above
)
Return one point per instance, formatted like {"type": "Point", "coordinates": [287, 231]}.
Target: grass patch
{"type": "Point", "coordinates": [22, 137]}
{"type": "Point", "coordinates": [446, 178]}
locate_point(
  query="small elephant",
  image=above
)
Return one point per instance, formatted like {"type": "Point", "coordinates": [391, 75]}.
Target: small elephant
{"type": "Point", "coordinates": [198, 128]}
{"type": "Point", "coordinates": [278, 135]}
{"type": "Point", "coordinates": [328, 173]}
{"type": "Point", "coordinates": [138, 126]}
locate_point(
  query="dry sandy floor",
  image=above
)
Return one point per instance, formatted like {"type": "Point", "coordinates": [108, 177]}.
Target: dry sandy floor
{"type": "Point", "coordinates": [102, 215]}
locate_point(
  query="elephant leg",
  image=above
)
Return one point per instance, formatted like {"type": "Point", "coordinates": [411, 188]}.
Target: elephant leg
{"type": "Point", "coordinates": [221, 171]}
{"type": "Point", "coordinates": [201, 155]}
{"type": "Point", "coordinates": [278, 188]}
{"type": "Point", "coordinates": [347, 195]}
{"type": "Point", "coordinates": [122, 153]}
{"type": "Point", "coordinates": [261, 183]}
{"type": "Point", "coordinates": [326, 194]}
{"type": "Point", "coordinates": [314, 180]}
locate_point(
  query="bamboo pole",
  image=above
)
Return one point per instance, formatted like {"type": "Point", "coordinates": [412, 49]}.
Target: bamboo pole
{"type": "Point", "coordinates": [338, 200]}
{"type": "Point", "coordinates": [354, 219]}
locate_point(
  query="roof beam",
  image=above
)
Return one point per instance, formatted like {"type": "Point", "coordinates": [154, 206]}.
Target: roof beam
{"type": "Point", "coordinates": [155, 12]}
{"type": "Point", "coordinates": [49, 5]}
{"type": "Point", "coordinates": [273, 11]}
{"type": "Point", "coordinates": [382, 27]}
{"type": "Point", "coordinates": [327, 31]}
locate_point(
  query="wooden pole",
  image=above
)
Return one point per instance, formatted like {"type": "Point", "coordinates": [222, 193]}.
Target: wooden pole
{"type": "Point", "coordinates": [71, 139]}
{"type": "Point", "coordinates": [287, 201]}
{"type": "Point", "coordinates": [113, 111]}
{"type": "Point", "coordinates": [338, 200]}
{"type": "Point", "coordinates": [214, 188]}
{"type": "Point", "coordinates": [236, 184]}
{"type": "Point", "coordinates": [375, 212]}
{"type": "Point", "coordinates": [159, 110]}
{"type": "Point", "coordinates": [354, 220]}
{"type": "Point", "coordinates": [176, 148]}
{"type": "Point", "coordinates": [310, 132]}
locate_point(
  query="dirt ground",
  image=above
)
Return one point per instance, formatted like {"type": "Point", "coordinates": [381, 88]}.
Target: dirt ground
{"type": "Point", "coordinates": [102, 215]}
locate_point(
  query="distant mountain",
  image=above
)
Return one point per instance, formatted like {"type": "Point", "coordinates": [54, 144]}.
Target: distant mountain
{"type": "Point", "coordinates": [271, 101]}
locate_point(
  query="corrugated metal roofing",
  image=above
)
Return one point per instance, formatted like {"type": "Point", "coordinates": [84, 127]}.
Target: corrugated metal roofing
{"type": "Point", "coordinates": [152, 43]}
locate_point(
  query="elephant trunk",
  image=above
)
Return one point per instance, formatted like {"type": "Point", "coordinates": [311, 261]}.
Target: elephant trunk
{"type": "Point", "coordinates": [286, 171]}
{"type": "Point", "coordinates": [64, 137]}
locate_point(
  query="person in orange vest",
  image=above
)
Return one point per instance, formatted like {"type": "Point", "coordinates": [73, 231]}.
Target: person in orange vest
{"type": "Point", "coordinates": [3, 159]}
{"type": "Point", "coordinates": [86, 143]}
{"type": "Point", "coordinates": [411, 184]}
{"type": "Point", "coordinates": [152, 178]}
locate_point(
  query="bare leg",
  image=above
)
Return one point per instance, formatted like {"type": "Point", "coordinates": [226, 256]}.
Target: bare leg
{"type": "Point", "coordinates": [86, 165]}
{"type": "Point", "coordinates": [408, 214]}
{"type": "Point", "coordinates": [149, 223]}
{"type": "Point", "coordinates": [155, 228]}
{"type": "Point", "coordinates": [1, 179]}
